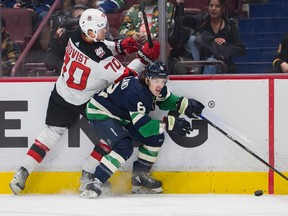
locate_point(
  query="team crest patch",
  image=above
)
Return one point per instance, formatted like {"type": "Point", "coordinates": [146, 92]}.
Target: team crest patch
{"type": "Point", "coordinates": [100, 52]}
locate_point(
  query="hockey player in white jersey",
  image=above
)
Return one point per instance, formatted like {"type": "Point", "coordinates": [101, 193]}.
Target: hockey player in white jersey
{"type": "Point", "coordinates": [89, 66]}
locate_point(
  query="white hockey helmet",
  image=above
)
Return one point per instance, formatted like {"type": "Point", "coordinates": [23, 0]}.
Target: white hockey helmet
{"type": "Point", "coordinates": [92, 19]}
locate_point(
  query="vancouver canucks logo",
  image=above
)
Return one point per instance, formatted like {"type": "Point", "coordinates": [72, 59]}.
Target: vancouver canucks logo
{"type": "Point", "coordinates": [100, 52]}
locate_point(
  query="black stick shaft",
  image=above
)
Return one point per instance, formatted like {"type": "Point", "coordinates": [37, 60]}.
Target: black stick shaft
{"type": "Point", "coordinates": [244, 147]}
{"type": "Point", "coordinates": [142, 6]}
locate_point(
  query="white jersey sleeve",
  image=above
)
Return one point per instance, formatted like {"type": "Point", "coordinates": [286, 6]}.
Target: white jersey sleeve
{"type": "Point", "coordinates": [136, 65]}
{"type": "Point", "coordinates": [112, 46]}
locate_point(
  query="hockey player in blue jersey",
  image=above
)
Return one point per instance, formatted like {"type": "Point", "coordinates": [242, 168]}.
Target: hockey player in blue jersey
{"type": "Point", "coordinates": [119, 114]}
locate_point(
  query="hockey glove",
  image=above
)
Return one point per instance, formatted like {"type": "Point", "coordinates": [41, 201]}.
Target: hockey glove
{"type": "Point", "coordinates": [177, 125]}
{"type": "Point", "coordinates": [148, 54]}
{"type": "Point", "coordinates": [189, 106]}
{"type": "Point", "coordinates": [126, 46]}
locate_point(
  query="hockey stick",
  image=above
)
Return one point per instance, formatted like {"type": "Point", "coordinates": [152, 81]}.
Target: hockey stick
{"type": "Point", "coordinates": [242, 146]}
{"type": "Point", "coordinates": [142, 8]}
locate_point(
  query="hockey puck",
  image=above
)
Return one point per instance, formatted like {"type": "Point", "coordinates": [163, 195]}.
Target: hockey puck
{"type": "Point", "coordinates": [258, 193]}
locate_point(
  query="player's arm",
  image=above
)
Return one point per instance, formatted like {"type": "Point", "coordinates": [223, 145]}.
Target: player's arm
{"type": "Point", "coordinates": [115, 68]}
{"type": "Point", "coordinates": [112, 70]}
{"type": "Point", "coordinates": [167, 100]}
{"type": "Point", "coordinates": [148, 127]}
{"type": "Point", "coordinates": [145, 125]}
{"type": "Point", "coordinates": [186, 106]}
{"type": "Point", "coordinates": [122, 46]}
{"type": "Point", "coordinates": [146, 55]}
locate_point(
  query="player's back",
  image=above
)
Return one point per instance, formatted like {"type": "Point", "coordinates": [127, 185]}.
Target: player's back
{"type": "Point", "coordinates": [122, 99]}
{"type": "Point", "coordinates": [88, 68]}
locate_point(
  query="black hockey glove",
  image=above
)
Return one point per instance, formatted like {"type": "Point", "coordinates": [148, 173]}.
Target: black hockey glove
{"type": "Point", "coordinates": [177, 125]}
{"type": "Point", "coordinates": [189, 106]}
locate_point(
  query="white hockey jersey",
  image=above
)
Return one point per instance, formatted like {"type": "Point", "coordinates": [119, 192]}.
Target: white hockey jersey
{"type": "Point", "coordinates": [89, 68]}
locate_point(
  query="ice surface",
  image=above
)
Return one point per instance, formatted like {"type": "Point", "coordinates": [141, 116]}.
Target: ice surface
{"type": "Point", "coordinates": [144, 205]}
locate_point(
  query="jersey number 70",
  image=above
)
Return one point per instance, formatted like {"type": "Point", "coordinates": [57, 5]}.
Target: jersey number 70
{"type": "Point", "coordinates": [76, 66]}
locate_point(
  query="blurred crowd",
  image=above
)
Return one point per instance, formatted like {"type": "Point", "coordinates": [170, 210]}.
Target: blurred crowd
{"type": "Point", "coordinates": [207, 35]}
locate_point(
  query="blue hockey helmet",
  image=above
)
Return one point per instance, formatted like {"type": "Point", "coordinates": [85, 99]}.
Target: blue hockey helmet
{"type": "Point", "coordinates": [156, 69]}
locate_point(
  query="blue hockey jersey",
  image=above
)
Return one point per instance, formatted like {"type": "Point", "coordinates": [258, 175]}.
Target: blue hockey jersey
{"type": "Point", "coordinates": [130, 101]}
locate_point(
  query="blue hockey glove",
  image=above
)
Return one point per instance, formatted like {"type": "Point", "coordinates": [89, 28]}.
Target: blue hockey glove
{"type": "Point", "coordinates": [189, 106]}
{"type": "Point", "coordinates": [177, 125]}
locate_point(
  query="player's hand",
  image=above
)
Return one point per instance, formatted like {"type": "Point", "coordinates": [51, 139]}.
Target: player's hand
{"type": "Point", "coordinates": [126, 46]}
{"type": "Point", "coordinates": [284, 67]}
{"type": "Point", "coordinates": [149, 54]}
{"type": "Point", "coordinates": [17, 5]}
{"type": "Point", "coordinates": [177, 125]}
{"type": "Point", "coordinates": [140, 38]}
{"type": "Point", "coordinates": [189, 107]}
{"type": "Point", "coordinates": [220, 41]}
{"type": "Point", "coordinates": [59, 32]}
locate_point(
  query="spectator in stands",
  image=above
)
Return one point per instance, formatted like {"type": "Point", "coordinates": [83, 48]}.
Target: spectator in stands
{"type": "Point", "coordinates": [10, 51]}
{"type": "Point", "coordinates": [234, 9]}
{"type": "Point", "coordinates": [110, 6]}
{"type": "Point", "coordinates": [40, 8]}
{"type": "Point", "coordinates": [66, 23]}
{"type": "Point", "coordinates": [107, 6]}
{"type": "Point", "coordinates": [280, 62]}
{"type": "Point", "coordinates": [214, 37]}
{"type": "Point", "coordinates": [69, 4]}
{"type": "Point", "coordinates": [177, 40]}
{"type": "Point", "coordinates": [133, 24]}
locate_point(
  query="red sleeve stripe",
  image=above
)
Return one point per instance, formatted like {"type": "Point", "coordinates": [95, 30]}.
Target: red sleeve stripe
{"type": "Point", "coordinates": [35, 155]}
{"type": "Point", "coordinates": [96, 155]}
{"type": "Point", "coordinates": [125, 74]}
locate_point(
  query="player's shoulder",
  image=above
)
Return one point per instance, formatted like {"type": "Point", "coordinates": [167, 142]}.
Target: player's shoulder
{"type": "Point", "coordinates": [133, 85]}
{"type": "Point", "coordinates": [97, 51]}
{"type": "Point", "coordinates": [137, 91]}
{"type": "Point", "coordinates": [130, 82]}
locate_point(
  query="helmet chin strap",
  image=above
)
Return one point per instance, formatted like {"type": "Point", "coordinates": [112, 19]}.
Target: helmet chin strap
{"type": "Point", "coordinates": [95, 38]}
